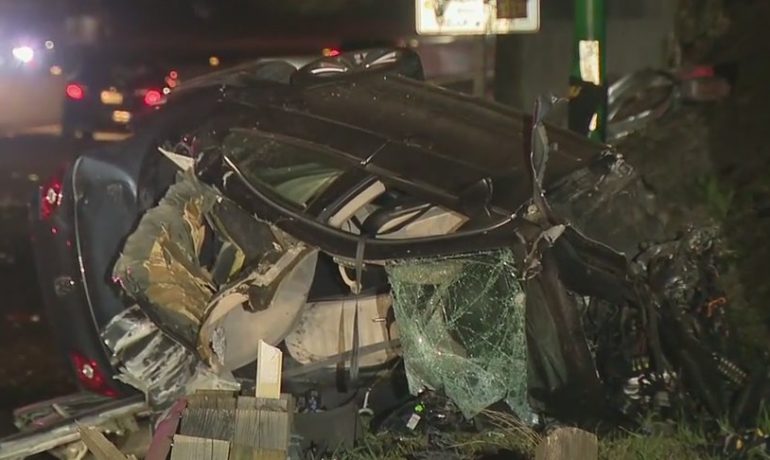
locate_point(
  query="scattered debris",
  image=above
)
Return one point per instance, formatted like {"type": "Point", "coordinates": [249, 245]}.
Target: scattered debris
{"type": "Point", "coordinates": [100, 446]}
{"type": "Point", "coordinates": [154, 363]}
{"type": "Point", "coordinates": [639, 98]}
{"type": "Point", "coordinates": [67, 431]}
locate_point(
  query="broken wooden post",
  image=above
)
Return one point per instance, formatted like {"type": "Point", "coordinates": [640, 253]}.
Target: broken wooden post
{"type": "Point", "coordinates": [269, 366]}
{"type": "Point", "coordinates": [568, 443]}
{"type": "Point", "coordinates": [192, 448]}
{"type": "Point", "coordinates": [220, 425]}
{"type": "Point", "coordinates": [100, 446]}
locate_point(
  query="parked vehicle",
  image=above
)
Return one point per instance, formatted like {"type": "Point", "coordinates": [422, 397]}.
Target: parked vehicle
{"type": "Point", "coordinates": [106, 94]}
{"type": "Point", "coordinates": [637, 99]}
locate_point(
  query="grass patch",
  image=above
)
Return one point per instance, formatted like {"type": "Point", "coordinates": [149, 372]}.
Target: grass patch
{"type": "Point", "coordinates": [680, 441]}
{"type": "Point", "coordinates": [501, 432]}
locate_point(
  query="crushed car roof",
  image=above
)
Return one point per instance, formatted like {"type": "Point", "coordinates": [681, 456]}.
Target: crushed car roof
{"type": "Point", "coordinates": [408, 131]}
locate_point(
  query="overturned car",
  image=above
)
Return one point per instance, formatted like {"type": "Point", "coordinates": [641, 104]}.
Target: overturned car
{"type": "Point", "coordinates": [359, 218]}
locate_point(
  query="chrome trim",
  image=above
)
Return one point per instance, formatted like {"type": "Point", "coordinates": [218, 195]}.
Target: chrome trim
{"type": "Point", "coordinates": [78, 245]}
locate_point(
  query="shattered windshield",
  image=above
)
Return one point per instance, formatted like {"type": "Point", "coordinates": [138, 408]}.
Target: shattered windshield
{"type": "Point", "coordinates": [295, 172]}
{"type": "Point", "coordinates": [462, 328]}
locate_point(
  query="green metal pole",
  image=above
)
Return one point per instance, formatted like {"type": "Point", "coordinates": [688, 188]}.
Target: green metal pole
{"type": "Point", "coordinates": [589, 61]}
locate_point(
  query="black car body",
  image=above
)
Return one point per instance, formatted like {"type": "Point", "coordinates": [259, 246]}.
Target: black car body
{"type": "Point", "coordinates": [105, 94]}
{"type": "Point", "coordinates": [340, 182]}
{"type": "Point", "coordinates": [499, 240]}
{"type": "Point", "coordinates": [428, 144]}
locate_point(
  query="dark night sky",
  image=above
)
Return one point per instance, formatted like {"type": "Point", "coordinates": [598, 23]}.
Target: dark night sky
{"type": "Point", "coordinates": [239, 25]}
{"type": "Point", "coordinates": [236, 17]}
{"type": "Point", "coordinates": [253, 25]}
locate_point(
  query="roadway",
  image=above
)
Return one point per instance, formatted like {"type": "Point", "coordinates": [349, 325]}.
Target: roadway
{"type": "Point", "coordinates": [31, 366]}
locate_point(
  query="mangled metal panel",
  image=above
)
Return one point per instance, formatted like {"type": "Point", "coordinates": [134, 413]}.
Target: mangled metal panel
{"type": "Point", "coordinates": [705, 356]}
{"type": "Point", "coordinates": [607, 336]}
{"type": "Point", "coordinates": [462, 326]}
{"type": "Point", "coordinates": [214, 277]}
{"type": "Point", "coordinates": [160, 263]}
{"type": "Point", "coordinates": [609, 202]}
{"type": "Point", "coordinates": [265, 305]}
{"type": "Point", "coordinates": [66, 431]}
{"type": "Point", "coordinates": [562, 264]}
{"type": "Point", "coordinates": [152, 362]}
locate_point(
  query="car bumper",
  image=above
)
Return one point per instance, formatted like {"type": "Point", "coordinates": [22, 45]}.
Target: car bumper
{"type": "Point", "coordinates": [66, 300]}
{"type": "Point", "coordinates": [97, 117]}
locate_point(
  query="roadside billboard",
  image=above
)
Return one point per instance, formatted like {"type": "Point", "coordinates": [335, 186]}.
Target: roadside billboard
{"type": "Point", "coordinates": [476, 17]}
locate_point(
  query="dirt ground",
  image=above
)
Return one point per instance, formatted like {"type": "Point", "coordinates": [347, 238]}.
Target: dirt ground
{"type": "Point", "coordinates": [31, 367]}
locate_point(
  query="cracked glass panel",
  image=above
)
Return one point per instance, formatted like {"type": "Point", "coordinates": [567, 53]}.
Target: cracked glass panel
{"type": "Point", "coordinates": [292, 171]}
{"type": "Point", "coordinates": [462, 326]}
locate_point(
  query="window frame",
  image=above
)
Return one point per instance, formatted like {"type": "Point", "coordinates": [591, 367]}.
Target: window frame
{"type": "Point", "coordinates": [337, 242]}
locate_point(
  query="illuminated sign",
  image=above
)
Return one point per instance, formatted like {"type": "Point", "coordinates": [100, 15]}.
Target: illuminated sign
{"type": "Point", "coordinates": [477, 17]}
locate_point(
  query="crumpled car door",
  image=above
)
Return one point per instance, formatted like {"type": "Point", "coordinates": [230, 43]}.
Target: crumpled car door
{"type": "Point", "coordinates": [214, 277]}
{"type": "Point", "coordinates": [562, 262]}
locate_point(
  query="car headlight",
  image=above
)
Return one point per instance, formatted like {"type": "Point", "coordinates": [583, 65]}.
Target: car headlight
{"type": "Point", "coordinates": [24, 54]}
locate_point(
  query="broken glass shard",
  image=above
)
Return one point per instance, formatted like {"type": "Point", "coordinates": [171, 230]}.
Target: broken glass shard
{"type": "Point", "coordinates": [461, 320]}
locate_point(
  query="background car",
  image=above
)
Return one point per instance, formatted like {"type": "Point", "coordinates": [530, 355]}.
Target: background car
{"type": "Point", "coordinates": [107, 94]}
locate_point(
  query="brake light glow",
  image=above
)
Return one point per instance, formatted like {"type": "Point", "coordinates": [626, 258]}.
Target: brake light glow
{"type": "Point", "coordinates": [90, 375]}
{"type": "Point", "coordinates": [331, 52]}
{"type": "Point", "coordinates": [75, 91]}
{"type": "Point", "coordinates": [153, 97]}
{"type": "Point", "coordinates": [50, 196]}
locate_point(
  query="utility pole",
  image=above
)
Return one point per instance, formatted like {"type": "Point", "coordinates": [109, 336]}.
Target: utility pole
{"type": "Point", "coordinates": [588, 78]}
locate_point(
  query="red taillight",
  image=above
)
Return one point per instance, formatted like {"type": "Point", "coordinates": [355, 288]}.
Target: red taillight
{"type": "Point", "coordinates": [75, 91]}
{"type": "Point", "coordinates": [90, 375]}
{"type": "Point", "coordinates": [153, 97]}
{"type": "Point", "coordinates": [50, 196]}
{"type": "Point", "coordinates": [331, 52]}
